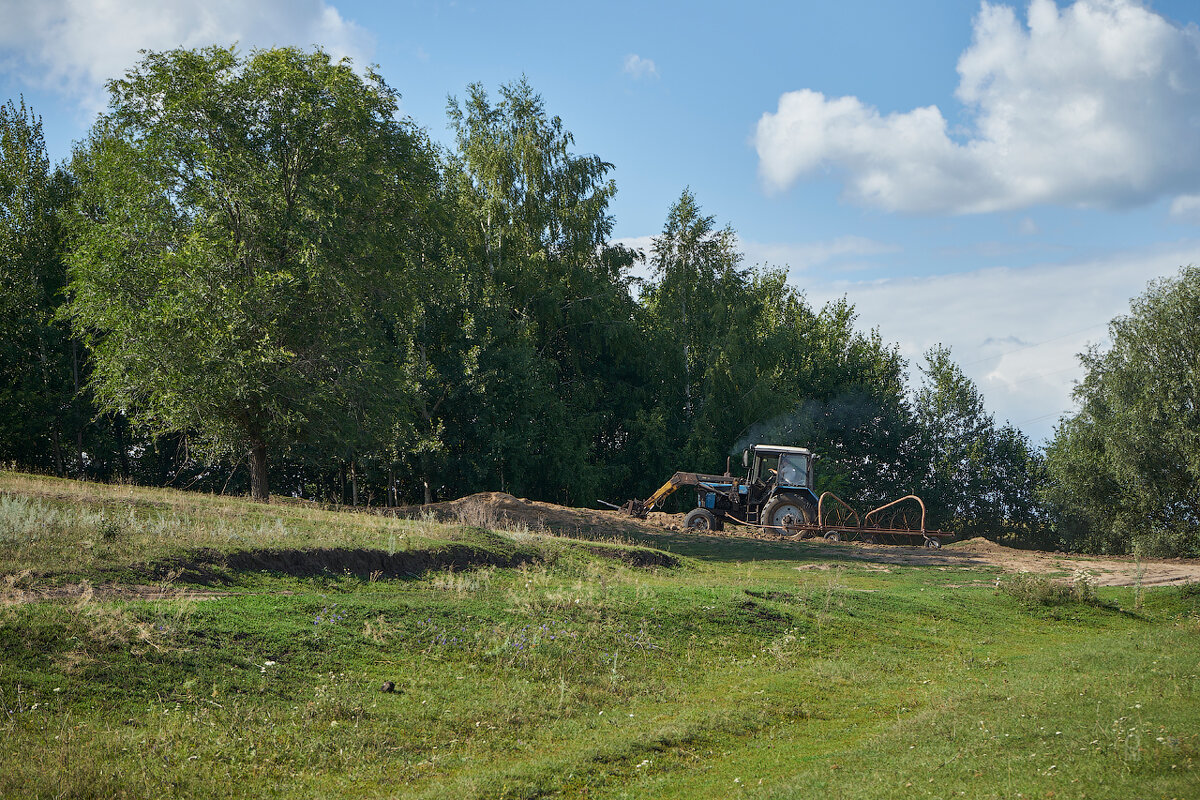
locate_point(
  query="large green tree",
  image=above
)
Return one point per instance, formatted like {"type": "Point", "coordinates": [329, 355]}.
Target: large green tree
{"type": "Point", "coordinates": [1125, 470]}
{"type": "Point", "coordinates": [698, 284]}
{"type": "Point", "coordinates": [820, 382]}
{"type": "Point", "coordinates": [248, 230]}
{"type": "Point", "coordinates": [741, 357]}
{"type": "Point", "coordinates": [42, 413]}
{"type": "Point", "coordinates": [536, 313]}
{"type": "Point", "coordinates": [976, 476]}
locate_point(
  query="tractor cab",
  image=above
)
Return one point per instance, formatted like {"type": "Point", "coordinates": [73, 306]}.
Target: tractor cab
{"type": "Point", "coordinates": [779, 467]}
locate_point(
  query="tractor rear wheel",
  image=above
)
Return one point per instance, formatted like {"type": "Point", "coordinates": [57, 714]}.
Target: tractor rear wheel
{"type": "Point", "coordinates": [785, 514]}
{"type": "Point", "coordinates": [701, 519]}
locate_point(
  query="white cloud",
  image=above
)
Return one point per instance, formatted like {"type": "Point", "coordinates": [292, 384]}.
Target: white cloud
{"type": "Point", "coordinates": [637, 67]}
{"type": "Point", "coordinates": [641, 270]}
{"type": "Point", "coordinates": [1186, 208]}
{"type": "Point", "coordinates": [803, 256]}
{"type": "Point", "coordinates": [1095, 104]}
{"type": "Point", "coordinates": [74, 46]}
{"type": "Point", "coordinates": [643, 243]}
{"type": "Point", "coordinates": [1016, 332]}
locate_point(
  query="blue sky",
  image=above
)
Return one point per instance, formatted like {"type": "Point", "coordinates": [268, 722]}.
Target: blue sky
{"type": "Point", "coordinates": [1001, 177]}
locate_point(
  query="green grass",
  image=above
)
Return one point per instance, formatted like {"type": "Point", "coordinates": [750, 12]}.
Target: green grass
{"type": "Point", "coordinates": [529, 665]}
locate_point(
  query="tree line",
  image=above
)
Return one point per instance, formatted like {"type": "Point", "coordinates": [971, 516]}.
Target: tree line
{"type": "Point", "coordinates": [254, 275]}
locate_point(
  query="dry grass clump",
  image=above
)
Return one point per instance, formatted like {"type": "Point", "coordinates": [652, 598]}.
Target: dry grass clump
{"type": "Point", "coordinates": [469, 582]}
{"type": "Point", "coordinates": [474, 513]}
{"type": "Point", "coordinates": [14, 589]}
{"type": "Point", "coordinates": [1035, 589]}
{"type": "Point", "coordinates": [98, 627]}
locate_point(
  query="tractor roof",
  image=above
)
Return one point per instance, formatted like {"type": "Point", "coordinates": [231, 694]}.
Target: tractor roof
{"type": "Point", "coordinates": [780, 448]}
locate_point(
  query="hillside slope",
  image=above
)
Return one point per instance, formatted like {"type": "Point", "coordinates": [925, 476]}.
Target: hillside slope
{"type": "Point", "coordinates": [159, 643]}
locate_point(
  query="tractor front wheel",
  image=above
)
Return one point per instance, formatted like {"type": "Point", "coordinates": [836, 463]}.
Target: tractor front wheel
{"type": "Point", "coordinates": [701, 519]}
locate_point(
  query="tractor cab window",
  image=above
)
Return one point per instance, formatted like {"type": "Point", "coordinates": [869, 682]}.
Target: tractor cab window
{"type": "Point", "coordinates": [793, 470]}
{"type": "Point", "coordinates": [768, 466]}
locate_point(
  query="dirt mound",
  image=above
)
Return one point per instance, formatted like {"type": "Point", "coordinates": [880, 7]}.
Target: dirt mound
{"type": "Point", "coordinates": [633, 556]}
{"type": "Point", "coordinates": [979, 544]}
{"type": "Point", "coordinates": [502, 510]}
{"type": "Point", "coordinates": [501, 501]}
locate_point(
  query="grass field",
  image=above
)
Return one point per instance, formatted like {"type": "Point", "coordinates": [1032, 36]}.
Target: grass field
{"type": "Point", "coordinates": [157, 643]}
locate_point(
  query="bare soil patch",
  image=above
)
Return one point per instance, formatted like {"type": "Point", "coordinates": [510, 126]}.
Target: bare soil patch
{"type": "Point", "coordinates": [1107, 570]}
{"type": "Point", "coordinates": [13, 595]}
{"type": "Point", "coordinates": [984, 553]}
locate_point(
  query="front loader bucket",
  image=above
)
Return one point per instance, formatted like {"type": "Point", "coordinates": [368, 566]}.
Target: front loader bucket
{"type": "Point", "coordinates": [635, 508]}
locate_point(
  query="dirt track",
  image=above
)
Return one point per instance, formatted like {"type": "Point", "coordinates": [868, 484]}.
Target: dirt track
{"type": "Point", "coordinates": [500, 509]}
{"type": "Point", "coordinates": [980, 552]}
{"type": "Point", "coordinates": [1106, 570]}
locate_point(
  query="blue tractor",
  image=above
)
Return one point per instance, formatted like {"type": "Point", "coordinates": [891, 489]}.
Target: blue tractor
{"type": "Point", "coordinates": [777, 493]}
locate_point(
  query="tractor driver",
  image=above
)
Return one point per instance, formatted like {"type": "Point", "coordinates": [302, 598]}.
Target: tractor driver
{"type": "Point", "coordinates": [767, 471]}
{"type": "Point", "coordinates": [789, 472]}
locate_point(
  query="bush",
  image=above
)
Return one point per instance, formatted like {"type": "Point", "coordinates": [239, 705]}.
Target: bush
{"type": "Point", "coordinates": [1043, 591]}
{"type": "Point", "coordinates": [109, 528]}
{"type": "Point", "coordinates": [1164, 543]}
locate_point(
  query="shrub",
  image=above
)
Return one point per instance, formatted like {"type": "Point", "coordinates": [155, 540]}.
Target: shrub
{"type": "Point", "coordinates": [1040, 590]}
{"type": "Point", "coordinates": [109, 528]}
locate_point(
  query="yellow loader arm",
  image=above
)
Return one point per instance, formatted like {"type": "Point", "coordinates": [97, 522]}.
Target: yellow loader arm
{"type": "Point", "coordinates": [641, 508]}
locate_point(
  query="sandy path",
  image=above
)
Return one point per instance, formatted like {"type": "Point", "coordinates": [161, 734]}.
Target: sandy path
{"type": "Point", "coordinates": [1106, 570]}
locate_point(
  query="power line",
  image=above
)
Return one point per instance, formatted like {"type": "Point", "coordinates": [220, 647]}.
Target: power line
{"type": "Point", "coordinates": [1041, 375]}
{"type": "Point", "coordinates": [1039, 419]}
{"type": "Point", "coordinates": [1036, 344]}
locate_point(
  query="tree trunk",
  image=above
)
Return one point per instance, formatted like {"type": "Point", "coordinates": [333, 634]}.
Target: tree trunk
{"type": "Point", "coordinates": [687, 366]}
{"type": "Point", "coordinates": [79, 426]}
{"type": "Point", "coordinates": [119, 426]}
{"type": "Point", "coordinates": [258, 472]}
{"type": "Point", "coordinates": [160, 460]}
{"type": "Point", "coordinates": [59, 469]}
{"type": "Point", "coordinates": [79, 454]}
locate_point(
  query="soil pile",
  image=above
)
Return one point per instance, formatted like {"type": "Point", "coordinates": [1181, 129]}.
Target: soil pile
{"type": "Point", "coordinates": [979, 544]}
{"type": "Point", "coordinates": [502, 510]}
